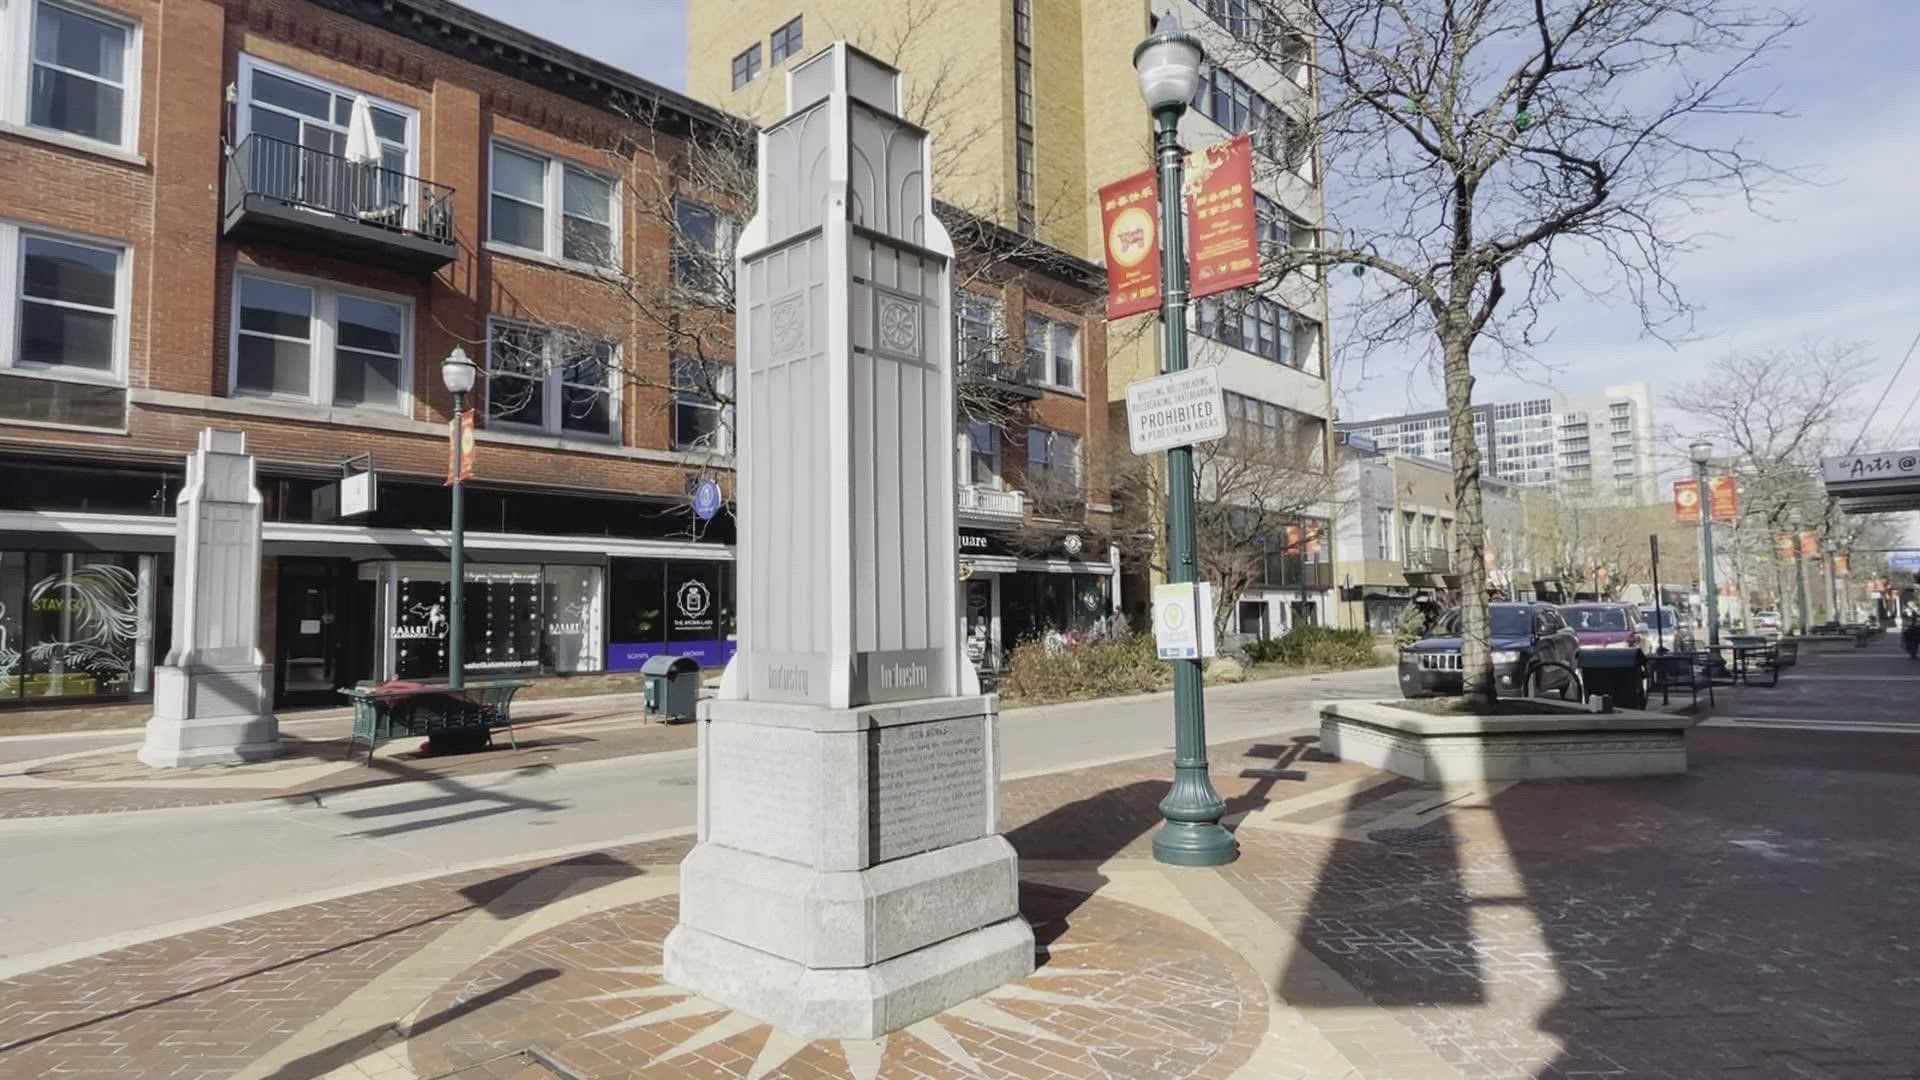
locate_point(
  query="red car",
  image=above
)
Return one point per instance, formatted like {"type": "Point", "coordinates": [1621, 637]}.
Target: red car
{"type": "Point", "coordinates": [1613, 649]}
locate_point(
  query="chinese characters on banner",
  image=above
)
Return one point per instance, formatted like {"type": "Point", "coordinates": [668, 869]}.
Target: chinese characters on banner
{"type": "Point", "coordinates": [460, 447]}
{"type": "Point", "coordinates": [1723, 498]}
{"type": "Point", "coordinates": [1809, 544]}
{"type": "Point", "coordinates": [1130, 218]}
{"type": "Point", "coordinates": [1686, 502]}
{"type": "Point", "coordinates": [1224, 250]}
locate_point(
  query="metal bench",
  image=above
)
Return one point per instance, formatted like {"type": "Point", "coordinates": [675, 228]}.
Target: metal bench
{"type": "Point", "coordinates": [397, 710]}
{"type": "Point", "coordinates": [1689, 671]}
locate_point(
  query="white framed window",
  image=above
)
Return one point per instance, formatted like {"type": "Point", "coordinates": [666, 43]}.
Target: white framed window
{"type": "Point", "coordinates": [73, 70]}
{"type": "Point", "coordinates": [1053, 353]}
{"type": "Point", "coordinates": [977, 340]}
{"type": "Point", "coordinates": [786, 42]}
{"type": "Point", "coordinates": [306, 340]}
{"type": "Point", "coordinates": [983, 456]}
{"type": "Point", "coordinates": [553, 208]}
{"type": "Point", "coordinates": [300, 125]}
{"type": "Point", "coordinates": [703, 241]}
{"type": "Point", "coordinates": [701, 419]}
{"type": "Point", "coordinates": [552, 379]}
{"type": "Point", "coordinates": [1053, 462]}
{"type": "Point", "coordinates": [66, 302]}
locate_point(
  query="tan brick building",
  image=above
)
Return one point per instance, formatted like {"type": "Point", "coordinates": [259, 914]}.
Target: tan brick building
{"type": "Point", "coordinates": [196, 229]}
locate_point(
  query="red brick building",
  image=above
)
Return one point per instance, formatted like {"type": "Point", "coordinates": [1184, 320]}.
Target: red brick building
{"type": "Point", "coordinates": [279, 217]}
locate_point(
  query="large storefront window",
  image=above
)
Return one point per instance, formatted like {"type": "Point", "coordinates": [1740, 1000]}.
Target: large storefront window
{"type": "Point", "coordinates": [519, 620]}
{"type": "Point", "coordinates": [1073, 604]}
{"type": "Point", "coordinates": [681, 607]}
{"type": "Point", "coordinates": [79, 624]}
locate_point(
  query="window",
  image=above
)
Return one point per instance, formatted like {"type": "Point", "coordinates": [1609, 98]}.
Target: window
{"type": "Point", "coordinates": [746, 66]}
{"type": "Point", "coordinates": [700, 420]}
{"type": "Point", "coordinates": [1229, 102]}
{"type": "Point", "coordinates": [70, 300]}
{"type": "Point", "coordinates": [702, 248]}
{"type": "Point", "coordinates": [551, 378]}
{"type": "Point", "coordinates": [786, 42]}
{"type": "Point", "coordinates": [1383, 532]}
{"type": "Point", "coordinates": [305, 121]}
{"type": "Point", "coordinates": [1025, 176]}
{"type": "Point", "coordinates": [524, 186]}
{"type": "Point", "coordinates": [1280, 231]}
{"type": "Point", "coordinates": [1259, 325]}
{"type": "Point", "coordinates": [1053, 353]}
{"type": "Point", "coordinates": [983, 456]}
{"type": "Point", "coordinates": [1053, 462]}
{"type": "Point", "coordinates": [75, 70]}
{"type": "Point", "coordinates": [978, 335]}
{"type": "Point", "coordinates": [81, 625]}
{"type": "Point", "coordinates": [317, 343]}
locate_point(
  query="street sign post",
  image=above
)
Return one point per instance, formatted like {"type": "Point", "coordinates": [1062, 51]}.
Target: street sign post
{"type": "Point", "coordinates": [1180, 409]}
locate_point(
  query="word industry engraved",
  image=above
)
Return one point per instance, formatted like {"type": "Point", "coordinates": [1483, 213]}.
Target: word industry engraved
{"type": "Point", "coordinates": [928, 787]}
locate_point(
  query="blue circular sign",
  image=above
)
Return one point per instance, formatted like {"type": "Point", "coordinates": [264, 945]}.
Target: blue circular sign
{"type": "Point", "coordinates": [706, 500]}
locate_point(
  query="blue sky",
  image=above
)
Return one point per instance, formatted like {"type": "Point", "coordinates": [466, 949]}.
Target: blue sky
{"type": "Point", "coordinates": [1836, 260]}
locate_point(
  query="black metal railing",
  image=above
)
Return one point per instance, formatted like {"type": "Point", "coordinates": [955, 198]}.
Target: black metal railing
{"type": "Point", "coordinates": [364, 192]}
{"type": "Point", "coordinates": [995, 368]}
{"type": "Point", "coordinates": [1428, 561]}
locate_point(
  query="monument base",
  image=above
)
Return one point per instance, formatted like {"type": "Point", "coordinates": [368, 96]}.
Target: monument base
{"type": "Point", "coordinates": [210, 716]}
{"type": "Point", "coordinates": [849, 1003]}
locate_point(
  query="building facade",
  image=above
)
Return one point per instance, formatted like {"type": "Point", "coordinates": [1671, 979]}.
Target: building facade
{"type": "Point", "coordinates": [1034, 105]}
{"type": "Point", "coordinates": [1581, 444]}
{"type": "Point", "coordinates": [1396, 542]}
{"type": "Point", "coordinates": [278, 217]}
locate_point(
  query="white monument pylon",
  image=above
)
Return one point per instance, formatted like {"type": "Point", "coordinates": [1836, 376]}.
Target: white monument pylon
{"type": "Point", "coordinates": [212, 697]}
{"type": "Point", "coordinates": [850, 877]}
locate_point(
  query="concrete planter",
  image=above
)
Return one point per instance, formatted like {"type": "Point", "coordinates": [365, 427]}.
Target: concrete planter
{"type": "Point", "coordinates": [1558, 741]}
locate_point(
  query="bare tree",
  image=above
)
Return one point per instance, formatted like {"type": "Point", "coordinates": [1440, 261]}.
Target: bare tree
{"type": "Point", "coordinates": [1491, 155]}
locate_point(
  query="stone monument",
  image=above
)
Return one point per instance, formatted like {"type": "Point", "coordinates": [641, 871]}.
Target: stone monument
{"type": "Point", "coordinates": [212, 696]}
{"type": "Point", "coordinates": [850, 877]}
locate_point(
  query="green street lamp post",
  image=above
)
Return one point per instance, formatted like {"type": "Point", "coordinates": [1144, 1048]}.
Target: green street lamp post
{"type": "Point", "coordinates": [1799, 570]}
{"type": "Point", "coordinates": [457, 372]}
{"type": "Point", "coordinates": [1702, 452]}
{"type": "Point", "coordinates": [1168, 64]}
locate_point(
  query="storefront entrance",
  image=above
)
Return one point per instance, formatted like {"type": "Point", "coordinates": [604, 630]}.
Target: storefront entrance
{"type": "Point", "coordinates": [320, 631]}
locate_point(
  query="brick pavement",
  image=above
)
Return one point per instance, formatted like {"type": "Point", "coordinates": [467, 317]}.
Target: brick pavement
{"type": "Point", "coordinates": [1750, 920]}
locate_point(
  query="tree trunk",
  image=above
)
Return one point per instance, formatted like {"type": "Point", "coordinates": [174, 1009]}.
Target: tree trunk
{"type": "Point", "coordinates": [1469, 524]}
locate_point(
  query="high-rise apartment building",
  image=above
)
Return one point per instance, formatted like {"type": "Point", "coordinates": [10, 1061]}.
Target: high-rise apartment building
{"type": "Point", "coordinates": [1599, 444]}
{"type": "Point", "coordinates": [1033, 106]}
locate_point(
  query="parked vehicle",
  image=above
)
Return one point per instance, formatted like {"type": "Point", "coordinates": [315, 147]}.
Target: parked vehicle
{"type": "Point", "coordinates": [1613, 650]}
{"type": "Point", "coordinates": [1766, 623]}
{"type": "Point", "coordinates": [1533, 651]}
{"type": "Point", "coordinates": [1910, 637]}
{"type": "Point", "coordinates": [1665, 629]}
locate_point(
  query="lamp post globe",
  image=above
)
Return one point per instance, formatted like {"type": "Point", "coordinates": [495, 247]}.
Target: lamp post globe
{"type": "Point", "coordinates": [1701, 451]}
{"type": "Point", "coordinates": [457, 372]}
{"type": "Point", "coordinates": [1168, 64]}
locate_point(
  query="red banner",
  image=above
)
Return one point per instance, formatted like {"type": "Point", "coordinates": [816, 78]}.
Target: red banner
{"type": "Point", "coordinates": [1783, 545]}
{"type": "Point", "coordinates": [1130, 218]}
{"type": "Point", "coordinates": [1225, 246]}
{"type": "Point", "coordinates": [460, 447]}
{"type": "Point", "coordinates": [1809, 544]}
{"type": "Point", "coordinates": [1841, 564]}
{"type": "Point", "coordinates": [1723, 497]}
{"type": "Point", "coordinates": [1686, 502]}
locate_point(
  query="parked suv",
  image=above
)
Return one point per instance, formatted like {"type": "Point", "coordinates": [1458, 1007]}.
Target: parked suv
{"type": "Point", "coordinates": [1766, 623]}
{"type": "Point", "coordinates": [1666, 630]}
{"type": "Point", "coordinates": [1533, 651]}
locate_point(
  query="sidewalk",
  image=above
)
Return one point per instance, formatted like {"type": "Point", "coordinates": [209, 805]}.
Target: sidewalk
{"type": "Point", "coordinates": [1832, 687]}
{"type": "Point", "coordinates": [1752, 920]}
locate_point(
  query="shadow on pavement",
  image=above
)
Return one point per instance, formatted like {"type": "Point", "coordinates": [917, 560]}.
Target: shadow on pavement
{"type": "Point", "coordinates": [346, 1051]}
{"type": "Point", "coordinates": [482, 802]}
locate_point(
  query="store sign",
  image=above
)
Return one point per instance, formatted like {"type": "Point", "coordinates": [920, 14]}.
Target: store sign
{"type": "Point", "coordinates": [1130, 220]}
{"type": "Point", "coordinates": [359, 494]}
{"type": "Point", "coordinates": [706, 499]}
{"type": "Point", "coordinates": [1180, 409]}
{"type": "Point", "coordinates": [694, 610]}
{"type": "Point", "coordinates": [975, 543]}
{"type": "Point", "coordinates": [1224, 251]}
{"type": "Point", "coordinates": [1686, 502]}
{"type": "Point", "coordinates": [630, 656]}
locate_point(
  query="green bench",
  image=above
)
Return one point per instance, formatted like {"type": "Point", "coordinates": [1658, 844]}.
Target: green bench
{"type": "Point", "coordinates": [397, 710]}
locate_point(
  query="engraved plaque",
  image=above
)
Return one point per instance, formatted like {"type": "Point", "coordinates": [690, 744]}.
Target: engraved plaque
{"type": "Point", "coordinates": [927, 786]}
{"type": "Point", "coordinates": [757, 798]}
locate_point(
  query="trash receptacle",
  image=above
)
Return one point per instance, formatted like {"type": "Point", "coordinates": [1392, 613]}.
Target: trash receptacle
{"type": "Point", "coordinates": [673, 686]}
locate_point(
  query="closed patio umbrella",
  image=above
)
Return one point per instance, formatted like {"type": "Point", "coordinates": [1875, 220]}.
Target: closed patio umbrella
{"type": "Point", "coordinates": [363, 156]}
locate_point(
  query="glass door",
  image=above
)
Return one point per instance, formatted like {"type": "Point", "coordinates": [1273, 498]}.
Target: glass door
{"type": "Point", "coordinates": [311, 631]}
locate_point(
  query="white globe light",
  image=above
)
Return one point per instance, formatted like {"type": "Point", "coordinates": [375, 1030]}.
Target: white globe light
{"type": "Point", "coordinates": [1701, 452]}
{"type": "Point", "coordinates": [457, 371]}
{"type": "Point", "coordinates": [1168, 64]}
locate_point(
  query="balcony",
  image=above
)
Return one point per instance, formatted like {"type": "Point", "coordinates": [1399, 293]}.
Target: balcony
{"type": "Point", "coordinates": [987, 372]}
{"type": "Point", "coordinates": [1427, 562]}
{"type": "Point", "coordinates": [290, 194]}
{"type": "Point", "coordinates": [992, 503]}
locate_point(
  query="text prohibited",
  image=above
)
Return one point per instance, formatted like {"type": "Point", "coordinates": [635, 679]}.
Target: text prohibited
{"type": "Point", "coordinates": [1180, 409]}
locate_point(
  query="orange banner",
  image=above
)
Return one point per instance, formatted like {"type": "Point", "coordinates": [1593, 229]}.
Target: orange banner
{"type": "Point", "coordinates": [1783, 545]}
{"type": "Point", "coordinates": [1723, 498]}
{"type": "Point", "coordinates": [1686, 501]}
{"type": "Point", "coordinates": [1224, 250]}
{"type": "Point", "coordinates": [460, 447]}
{"type": "Point", "coordinates": [1809, 544]}
{"type": "Point", "coordinates": [1130, 218]}
{"type": "Point", "coordinates": [1841, 564]}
